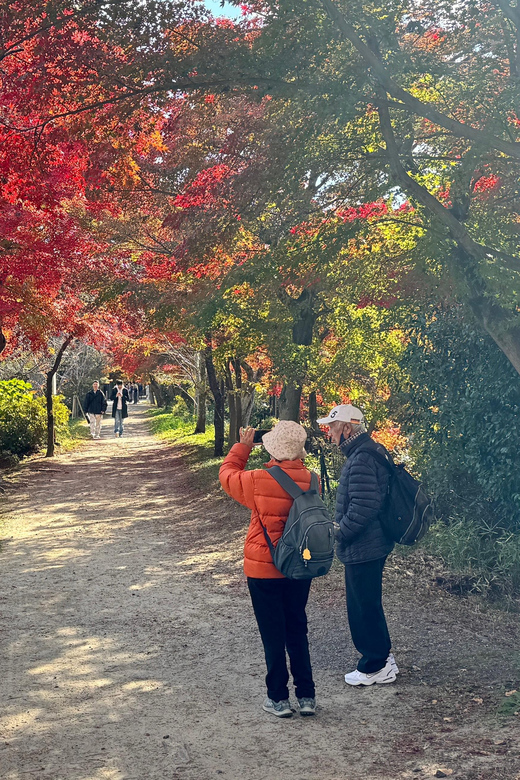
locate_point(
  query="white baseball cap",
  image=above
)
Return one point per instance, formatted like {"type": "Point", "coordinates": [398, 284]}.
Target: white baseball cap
{"type": "Point", "coordinates": [343, 413]}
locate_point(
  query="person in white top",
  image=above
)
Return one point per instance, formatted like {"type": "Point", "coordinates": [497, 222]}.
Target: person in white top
{"type": "Point", "coordinates": [119, 398]}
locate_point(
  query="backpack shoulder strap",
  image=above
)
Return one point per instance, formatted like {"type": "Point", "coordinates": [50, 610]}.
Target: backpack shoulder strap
{"type": "Point", "coordinates": [388, 462]}
{"type": "Point", "coordinates": [315, 482]}
{"type": "Point", "coordinates": [285, 481]}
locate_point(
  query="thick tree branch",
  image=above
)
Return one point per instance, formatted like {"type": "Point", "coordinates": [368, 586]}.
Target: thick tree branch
{"type": "Point", "coordinates": [510, 12]}
{"type": "Point", "coordinates": [413, 104]}
{"type": "Point", "coordinates": [457, 231]}
{"type": "Point", "coordinates": [183, 85]}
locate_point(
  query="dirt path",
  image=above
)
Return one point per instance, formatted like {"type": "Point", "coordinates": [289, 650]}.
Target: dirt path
{"type": "Point", "coordinates": [129, 650]}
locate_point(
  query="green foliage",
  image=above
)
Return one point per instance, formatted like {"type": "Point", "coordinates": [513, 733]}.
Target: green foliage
{"type": "Point", "coordinates": [175, 418]}
{"type": "Point", "coordinates": [462, 405]}
{"type": "Point", "coordinates": [459, 400]}
{"type": "Point", "coordinates": [487, 560]}
{"type": "Point", "coordinates": [23, 418]}
{"type": "Point", "coordinates": [510, 704]}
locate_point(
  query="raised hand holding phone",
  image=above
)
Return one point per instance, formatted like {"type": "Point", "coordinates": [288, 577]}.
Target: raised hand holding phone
{"type": "Point", "coordinates": [247, 436]}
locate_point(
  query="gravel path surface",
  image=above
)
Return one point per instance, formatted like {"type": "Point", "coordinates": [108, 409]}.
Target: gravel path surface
{"type": "Point", "coordinates": [129, 650]}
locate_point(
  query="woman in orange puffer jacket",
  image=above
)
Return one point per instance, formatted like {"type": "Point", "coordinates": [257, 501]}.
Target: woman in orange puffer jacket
{"type": "Point", "coordinates": [279, 603]}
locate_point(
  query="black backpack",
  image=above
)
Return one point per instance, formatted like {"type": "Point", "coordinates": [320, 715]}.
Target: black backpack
{"type": "Point", "coordinates": [408, 511]}
{"type": "Point", "coordinates": [306, 547]}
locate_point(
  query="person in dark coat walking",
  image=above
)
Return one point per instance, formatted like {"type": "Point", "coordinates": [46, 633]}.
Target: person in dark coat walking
{"type": "Point", "coordinates": [119, 398]}
{"type": "Point", "coordinates": [95, 407]}
{"type": "Point", "coordinates": [362, 545]}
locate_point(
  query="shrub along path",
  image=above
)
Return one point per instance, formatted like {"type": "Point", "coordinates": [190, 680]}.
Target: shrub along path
{"type": "Point", "coordinates": [129, 650]}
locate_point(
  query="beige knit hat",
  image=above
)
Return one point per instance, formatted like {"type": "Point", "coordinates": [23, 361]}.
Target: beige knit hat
{"type": "Point", "coordinates": [285, 441]}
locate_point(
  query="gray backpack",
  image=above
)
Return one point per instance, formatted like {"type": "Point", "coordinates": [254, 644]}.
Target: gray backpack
{"type": "Point", "coordinates": [306, 547]}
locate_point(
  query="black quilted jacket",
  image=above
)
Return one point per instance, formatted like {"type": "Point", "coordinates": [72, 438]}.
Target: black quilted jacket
{"type": "Point", "coordinates": [361, 493]}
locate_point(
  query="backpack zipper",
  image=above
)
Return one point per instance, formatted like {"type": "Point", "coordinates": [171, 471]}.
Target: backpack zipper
{"type": "Point", "coordinates": [304, 545]}
{"type": "Point", "coordinates": [311, 509]}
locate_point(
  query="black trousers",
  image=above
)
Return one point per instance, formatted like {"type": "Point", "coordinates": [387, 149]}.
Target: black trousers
{"type": "Point", "coordinates": [366, 618]}
{"type": "Point", "coordinates": [279, 606]}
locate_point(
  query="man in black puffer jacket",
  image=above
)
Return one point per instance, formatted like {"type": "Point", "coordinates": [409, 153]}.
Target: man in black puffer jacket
{"type": "Point", "coordinates": [95, 406]}
{"type": "Point", "coordinates": [362, 545]}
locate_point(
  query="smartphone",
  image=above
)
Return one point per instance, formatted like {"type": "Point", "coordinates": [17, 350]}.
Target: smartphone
{"type": "Point", "coordinates": [258, 435]}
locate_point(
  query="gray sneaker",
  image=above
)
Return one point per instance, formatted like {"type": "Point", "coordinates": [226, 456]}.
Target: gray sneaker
{"type": "Point", "coordinates": [307, 706]}
{"type": "Point", "coordinates": [282, 709]}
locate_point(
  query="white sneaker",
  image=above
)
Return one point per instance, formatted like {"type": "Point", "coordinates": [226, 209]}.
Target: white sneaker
{"type": "Point", "coordinates": [383, 676]}
{"type": "Point", "coordinates": [391, 660]}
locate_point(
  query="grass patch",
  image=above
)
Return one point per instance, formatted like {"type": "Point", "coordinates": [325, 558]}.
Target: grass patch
{"type": "Point", "coordinates": [69, 438]}
{"type": "Point", "coordinates": [198, 448]}
{"type": "Point", "coordinates": [510, 706]}
{"type": "Point", "coordinates": [486, 559]}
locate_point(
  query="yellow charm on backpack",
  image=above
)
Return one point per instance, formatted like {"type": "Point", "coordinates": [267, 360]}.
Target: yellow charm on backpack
{"type": "Point", "coordinates": [307, 554]}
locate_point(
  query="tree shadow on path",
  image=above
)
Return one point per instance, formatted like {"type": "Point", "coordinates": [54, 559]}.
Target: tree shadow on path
{"type": "Point", "coordinates": [131, 652]}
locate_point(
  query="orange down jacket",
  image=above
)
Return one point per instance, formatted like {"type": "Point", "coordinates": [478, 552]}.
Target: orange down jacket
{"type": "Point", "coordinates": [265, 498]}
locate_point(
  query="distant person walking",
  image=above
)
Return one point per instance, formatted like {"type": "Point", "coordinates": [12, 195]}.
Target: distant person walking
{"type": "Point", "coordinates": [278, 603]}
{"type": "Point", "coordinates": [95, 407]}
{"type": "Point", "coordinates": [362, 545]}
{"type": "Point", "coordinates": [135, 392]}
{"type": "Point", "coordinates": [119, 398]}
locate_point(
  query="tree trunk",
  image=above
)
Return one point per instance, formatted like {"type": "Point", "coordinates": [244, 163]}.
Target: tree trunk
{"type": "Point", "coordinates": [304, 312]}
{"type": "Point", "coordinates": [492, 319]}
{"type": "Point", "coordinates": [3, 341]}
{"type": "Point", "coordinates": [233, 398]}
{"type": "Point", "coordinates": [200, 394]}
{"type": "Point", "coordinates": [157, 392]}
{"type": "Point", "coordinates": [290, 402]}
{"type": "Point", "coordinates": [200, 426]}
{"type": "Point", "coordinates": [313, 412]}
{"type": "Point", "coordinates": [186, 397]}
{"type": "Point", "coordinates": [232, 406]}
{"type": "Point", "coordinates": [239, 404]}
{"type": "Point", "coordinates": [249, 391]}
{"type": "Point", "coordinates": [217, 390]}
{"type": "Point", "coordinates": [248, 400]}
{"type": "Point", "coordinates": [49, 397]}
